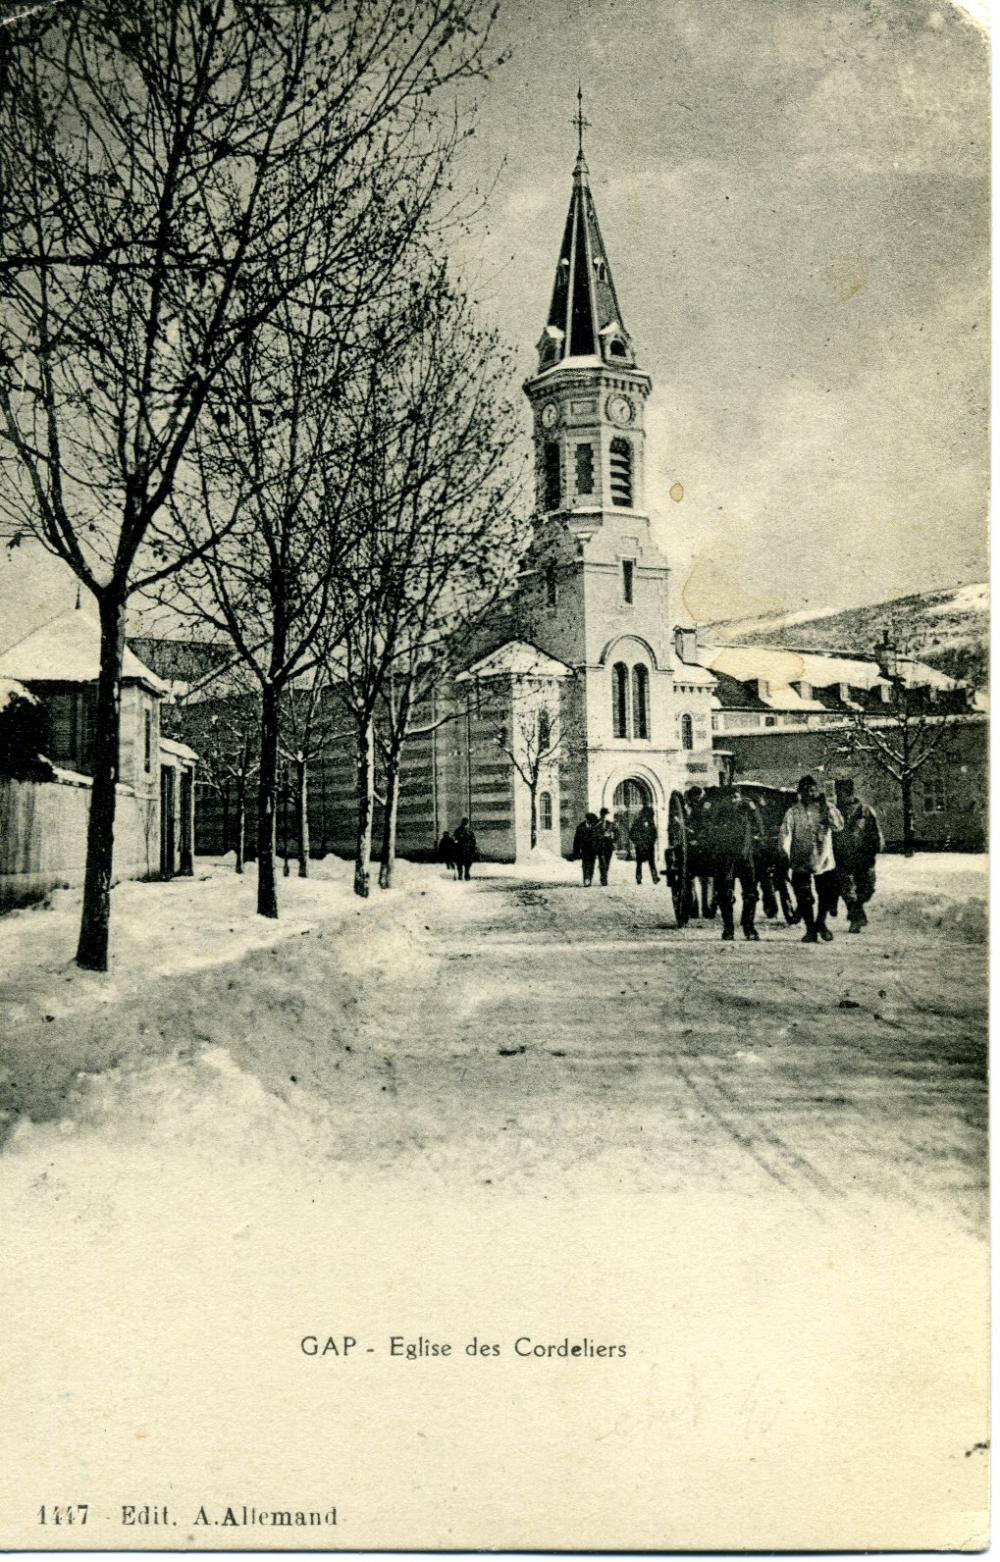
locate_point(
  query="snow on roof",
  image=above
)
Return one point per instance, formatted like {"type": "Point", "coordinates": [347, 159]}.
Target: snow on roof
{"type": "Point", "coordinates": [781, 667]}
{"type": "Point", "coordinates": [515, 659]}
{"type": "Point", "coordinates": [581, 361]}
{"type": "Point", "coordinates": [10, 689]}
{"type": "Point", "coordinates": [178, 750]}
{"type": "Point", "coordinates": [67, 650]}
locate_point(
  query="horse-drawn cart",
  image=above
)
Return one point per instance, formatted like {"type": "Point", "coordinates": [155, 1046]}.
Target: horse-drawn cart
{"type": "Point", "coordinates": [695, 847]}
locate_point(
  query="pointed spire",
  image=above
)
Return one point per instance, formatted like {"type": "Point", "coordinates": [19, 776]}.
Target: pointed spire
{"type": "Point", "coordinates": [584, 316]}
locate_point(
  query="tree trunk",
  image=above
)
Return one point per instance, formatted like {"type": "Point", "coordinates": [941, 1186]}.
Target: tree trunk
{"type": "Point", "coordinates": [241, 822]}
{"type": "Point", "coordinates": [92, 948]}
{"type": "Point", "coordinates": [907, 790]}
{"type": "Point", "coordinates": [389, 817]}
{"type": "Point", "coordinates": [534, 817]}
{"type": "Point", "coordinates": [267, 887]}
{"type": "Point", "coordinates": [302, 805]}
{"type": "Point", "coordinates": [366, 804]}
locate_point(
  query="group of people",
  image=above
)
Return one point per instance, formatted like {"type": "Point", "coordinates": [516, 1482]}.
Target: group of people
{"type": "Point", "coordinates": [458, 851]}
{"type": "Point", "coordinates": [831, 857]}
{"type": "Point", "coordinates": [596, 841]}
{"type": "Point", "coordinates": [826, 855]}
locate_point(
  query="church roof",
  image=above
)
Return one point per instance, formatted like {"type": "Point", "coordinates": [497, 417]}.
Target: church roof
{"type": "Point", "coordinates": [584, 315]}
{"type": "Point", "coordinates": [515, 659]}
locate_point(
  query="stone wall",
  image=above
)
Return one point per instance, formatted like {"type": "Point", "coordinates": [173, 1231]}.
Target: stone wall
{"type": "Point", "coordinates": [43, 836]}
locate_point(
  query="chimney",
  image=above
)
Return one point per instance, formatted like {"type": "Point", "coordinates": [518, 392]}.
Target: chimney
{"type": "Point", "coordinates": [686, 643]}
{"type": "Point", "coordinates": [803, 689]}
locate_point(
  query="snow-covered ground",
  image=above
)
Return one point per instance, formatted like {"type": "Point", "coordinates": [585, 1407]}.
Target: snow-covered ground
{"type": "Point", "coordinates": [507, 1107]}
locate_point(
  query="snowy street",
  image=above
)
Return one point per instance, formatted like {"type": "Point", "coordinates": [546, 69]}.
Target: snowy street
{"type": "Point", "coordinates": [520, 1027]}
{"type": "Point", "coordinates": [506, 1109]}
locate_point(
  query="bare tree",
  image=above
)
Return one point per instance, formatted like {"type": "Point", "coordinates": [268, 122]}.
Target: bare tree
{"type": "Point", "coordinates": [150, 153]}
{"type": "Point", "coordinates": [311, 724]}
{"type": "Point", "coordinates": [902, 735]}
{"type": "Point", "coordinates": [441, 530]}
{"type": "Point", "coordinates": [223, 727]}
{"type": "Point", "coordinates": [532, 741]}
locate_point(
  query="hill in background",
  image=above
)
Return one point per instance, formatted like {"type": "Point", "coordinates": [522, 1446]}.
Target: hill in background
{"type": "Point", "coordinates": [947, 628]}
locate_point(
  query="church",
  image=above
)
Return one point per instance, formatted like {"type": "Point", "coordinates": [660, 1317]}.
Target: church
{"type": "Point", "coordinates": [585, 697]}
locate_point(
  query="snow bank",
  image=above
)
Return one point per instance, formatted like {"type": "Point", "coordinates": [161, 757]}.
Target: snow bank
{"type": "Point", "coordinates": [935, 892]}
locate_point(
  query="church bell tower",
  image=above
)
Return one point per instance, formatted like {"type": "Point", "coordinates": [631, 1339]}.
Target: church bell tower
{"type": "Point", "coordinates": [597, 592]}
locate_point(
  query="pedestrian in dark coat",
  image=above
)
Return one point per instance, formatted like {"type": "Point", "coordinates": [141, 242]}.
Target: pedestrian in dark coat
{"type": "Point", "coordinates": [465, 849]}
{"type": "Point", "coordinates": [643, 838]}
{"type": "Point", "coordinates": [607, 843]}
{"type": "Point", "coordinates": [446, 850]}
{"type": "Point", "coordinates": [728, 841]}
{"type": "Point", "coordinates": [585, 846]}
{"type": "Point", "coordinates": [856, 847]}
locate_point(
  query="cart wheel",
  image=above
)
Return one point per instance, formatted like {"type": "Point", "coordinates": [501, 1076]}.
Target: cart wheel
{"type": "Point", "coordinates": [678, 865]}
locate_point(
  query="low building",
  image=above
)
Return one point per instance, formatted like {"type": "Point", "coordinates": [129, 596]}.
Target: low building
{"type": "Point", "coordinates": [781, 713]}
{"type": "Point", "coordinates": [43, 822]}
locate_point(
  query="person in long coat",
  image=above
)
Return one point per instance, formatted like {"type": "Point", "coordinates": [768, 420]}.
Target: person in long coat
{"type": "Point", "coordinates": [856, 848]}
{"type": "Point", "coordinates": [728, 845]}
{"type": "Point", "coordinates": [465, 849]}
{"type": "Point", "coordinates": [446, 850]}
{"type": "Point", "coordinates": [643, 838]}
{"type": "Point", "coordinates": [806, 842]}
{"type": "Point", "coordinates": [607, 843]}
{"type": "Point", "coordinates": [585, 846]}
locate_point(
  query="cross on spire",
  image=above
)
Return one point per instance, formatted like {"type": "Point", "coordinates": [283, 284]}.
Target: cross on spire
{"type": "Point", "coordinates": [579, 121]}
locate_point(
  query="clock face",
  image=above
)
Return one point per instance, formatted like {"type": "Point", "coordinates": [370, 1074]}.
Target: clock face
{"type": "Point", "coordinates": [620, 410]}
{"type": "Point", "coordinates": [550, 415]}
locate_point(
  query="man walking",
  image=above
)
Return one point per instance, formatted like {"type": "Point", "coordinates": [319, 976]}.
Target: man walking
{"type": "Point", "coordinates": [856, 847]}
{"type": "Point", "coordinates": [464, 846]}
{"type": "Point", "coordinates": [731, 838]}
{"type": "Point", "coordinates": [585, 846]}
{"type": "Point", "coordinates": [806, 842]}
{"type": "Point", "coordinates": [643, 838]}
{"type": "Point", "coordinates": [607, 843]}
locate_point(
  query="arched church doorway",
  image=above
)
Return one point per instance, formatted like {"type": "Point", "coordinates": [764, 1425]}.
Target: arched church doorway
{"type": "Point", "coordinates": [630, 798]}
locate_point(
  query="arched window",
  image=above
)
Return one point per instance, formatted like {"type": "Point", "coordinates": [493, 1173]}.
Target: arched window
{"type": "Point", "coordinates": [619, 700]}
{"type": "Point", "coordinates": [640, 701]}
{"type": "Point", "coordinates": [621, 472]}
{"type": "Point", "coordinates": [545, 810]}
{"type": "Point", "coordinates": [617, 349]}
{"type": "Point", "coordinates": [687, 732]}
{"type": "Point", "coordinates": [551, 585]}
{"type": "Point", "coordinates": [553, 476]}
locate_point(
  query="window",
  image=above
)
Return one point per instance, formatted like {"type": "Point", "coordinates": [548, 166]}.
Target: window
{"type": "Point", "coordinates": [619, 700]}
{"type": "Point", "coordinates": [553, 476]}
{"type": "Point", "coordinates": [544, 731]}
{"type": "Point", "coordinates": [687, 732]}
{"type": "Point", "coordinates": [71, 714]}
{"type": "Point", "coordinates": [935, 793]}
{"type": "Point", "coordinates": [621, 473]}
{"type": "Point", "coordinates": [545, 810]}
{"type": "Point", "coordinates": [147, 757]}
{"type": "Point", "coordinates": [551, 585]}
{"type": "Point", "coordinates": [640, 701]}
{"type": "Point", "coordinates": [585, 469]}
{"type": "Point", "coordinates": [628, 580]}
{"type": "Point", "coordinates": [617, 349]}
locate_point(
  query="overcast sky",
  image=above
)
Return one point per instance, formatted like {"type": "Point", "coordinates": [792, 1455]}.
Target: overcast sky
{"type": "Point", "coordinates": [794, 199]}
{"type": "Point", "coordinates": [793, 195]}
